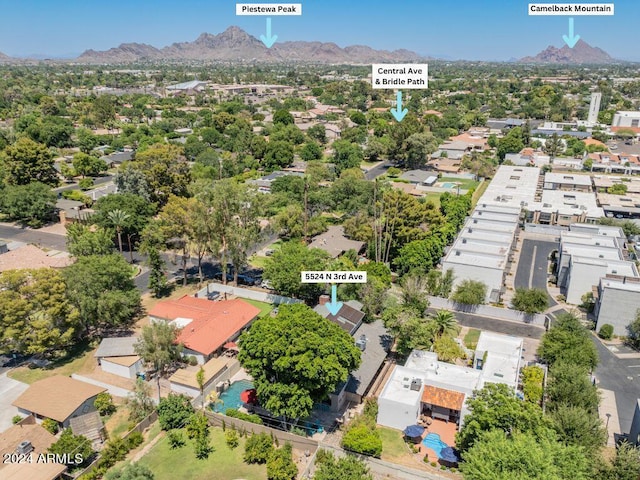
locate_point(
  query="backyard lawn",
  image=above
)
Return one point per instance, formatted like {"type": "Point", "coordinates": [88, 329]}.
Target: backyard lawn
{"type": "Point", "coordinates": [471, 338]}
{"type": "Point", "coordinates": [265, 308]}
{"type": "Point", "coordinates": [465, 183]}
{"type": "Point", "coordinates": [393, 445]}
{"type": "Point", "coordinates": [223, 462]}
{"type": "Point", "coordinates": [433, 198]}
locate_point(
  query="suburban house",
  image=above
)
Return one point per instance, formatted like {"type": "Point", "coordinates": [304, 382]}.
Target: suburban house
{"type": "Point", "coordinates": [349, 317]}
{"type": "Point", "coordinates": [27, 437]}
{"type": "Point", "coordinates": [335, 243]}
{"type": "Point", "coordinates": [420, 177]}
{"type": "Point", "coordinates": [59, 398]}
{"type": "Point", "coordinates": [216, 370]}
{"type": "Point", "coordinates": [206, 326]}
{"type": "Point", "coordinates": [426, 386]}
{"type": "Point", "coordinates": [118, 356]}
{"type": "Point", "coordinates": [528, 157]}
{"type": "Point", "coordinates": [70, 211]}
{"type": "Point", "coordinates": [445, 165]}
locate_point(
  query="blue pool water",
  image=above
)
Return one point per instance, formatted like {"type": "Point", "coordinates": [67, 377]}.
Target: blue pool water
{"type": "Point", "coordinates": [448, 185]}
{"type": "Point", "coordinates": [230, 398]}
{"type": "Point", "coordinates": [432, 441]}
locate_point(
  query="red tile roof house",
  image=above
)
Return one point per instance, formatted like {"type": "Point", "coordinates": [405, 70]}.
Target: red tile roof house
{"type": "Point", "coordinates": [206, 325]}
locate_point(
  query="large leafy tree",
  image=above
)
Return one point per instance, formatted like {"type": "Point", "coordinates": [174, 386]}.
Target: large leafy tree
{"type": "Point", "coordinates": [88, 165]}
{"type": "Point", "coordinates": [496, 407]}
{"type": "Point", "coordinates": [578, 426]}
{"type": "Point", "coordinates": [157, 346]}
{"type": "Point", "coordinates": [35, 315]}
{"type": "Point", "coordinates": [27, 161]}
{"type": "Point", "coordinates": [470, 292]}
{"type": "Point", "coordinates": [284, 267]}
{"type": "Point", "coordinates": [521, 456]}
{"type": "Point", "coordinates": [344, 468]}
{"type": "Point", "coordinates": [568, 340]}
{"type": "Point", "coordinates": [71, 445]}
{"type": "Point", "coordinates": [296, 359]}
{"type": "Point", "coordinates": [174, 411]}
{"type": "Point", "coordinates": [530, 301]}
{"type": "Point", "coordinates": [83, 241]}
{"type": "Point", "coordinates": [32, 204]}
{"type": "Point", "coordinates": [102, 288]}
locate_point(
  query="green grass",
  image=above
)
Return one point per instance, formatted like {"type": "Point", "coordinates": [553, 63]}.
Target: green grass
{"type": "Point", "coordinates": [478, 192]}
{"type": "Point", "coordinates": [265, 308]}
{"type": "Point", "coordinates": [433, 198]}
{"type": "Point", "coordinates": [257, 262]}
{"type": "Point", "coordinates": [223, 462]}
{"type": "Point", "coordinates": [471, 338]}
{"type": "Point", "coordinates": [393, 445]}
{"type": "Point", "coordinates": [79, 360]}
{"type": "Point", "coordinates": [465, 183]}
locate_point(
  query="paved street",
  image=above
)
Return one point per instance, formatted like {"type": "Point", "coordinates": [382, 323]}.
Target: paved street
{"type": "Point", "coordinates": [9, 390]}
{"type": "Point", "coordinates": [499, 326]}
{"type": "Point", "coordinates": [621, 376]}
{"type": "Point", "coordinates": [533, 265]}
{"type": "Point", "coordinates": [28, 235]}
{"type": "Point", "coordinates": [378, 170]}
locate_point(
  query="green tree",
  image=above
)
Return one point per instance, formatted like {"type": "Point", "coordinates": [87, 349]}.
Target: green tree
{"type": "Point", "coordinates": [83, 240]}
{"type": "Point", "coordinates": [346, 155]}
{"type": "Point", "coordinates": [626, 465]}
{"type": "Point", "coordinates": [118, 219]}
{"type": "Point", "coordinates": [522, 456]}
{"type": "Point", "coordinates": [200, 378]}
{"type": "Point", "coordinates": [568, 340]}
{"type": "Point", "coordinates": [579, 427]}
{"type": "Point", "coordinates": [296, 358]}
{"type": "Point", "coordinates": [32, 204]}
{"type": "Point", "coordinates": [283, 269]}
{"type": "Point", "coordinates": [447, 349]}
{"type": "Point", "coordinates": [328, 467]}
{"type": "Point", "coordinates": [174, 411]}
{"type": "Point", "coordinates": [76, 448]}
{"type": "Point", "coordinates": [362, 438]}
{"type": "Point", "coordinates": [512, 142]}
{"type": "Point", "coordinates": [634, 330]}
{"type": "Point", "coordinates": [86, 141]}
{"type": "Point", "coordinates": [318, 132]}
{"type": "Point", "coordinates": [617, 189]}
{"type": "Point", "coordinates": [27, 161]}
{"type": "Point", "coordinates": [532, 378]}
{"type": "Point", "coordinates": [417, 148]}
{"type": "Point", "coordinates": [311, 151]}
{"type": "Point", "coordinates": [102, 289]}
{"type": "Point", "coordinates": [139, 401]}
{"type": "Point", "coordinates": [445, 322]}
{"type": "Point", "coordinates": [49, 425]}
{"type": "Point", "coordinates": [282, 117]}
{"type": "Point", "coordinates": [131, 471]}
{"type": "Point", "coordinates": [413, 294]}
{"type": "Point", "coordinates": [258, 448]}
{"type": "Point", "coordinates": [278, 154]}
{"type": "Point", "coordinates": [553, 146]}
{"type": "Point", "coordinates": [104, 404]}
{"type": "Point", "coordinates": [496, 407]}
{"type": "Point", "coordinates": [157, 346]}
{"type": "Point", "coordinates": [36, 316]}
{"type": "Point", "coordinates": [280, 465]}
{"type": "Point", "coordinates": [470, 292]}
{"type": "Point", "coordinates": [88, 165]}
{"type": "Point", "coordinates": [570, 384]}
{"type": "Point", "coordinates": [198, 430]}
{"type": "Point", "coordinates": [530, 301]}
{"type": "Point", "coordinates": [131, 180]}
{"type": "Point", "coordinates": [409, 328]}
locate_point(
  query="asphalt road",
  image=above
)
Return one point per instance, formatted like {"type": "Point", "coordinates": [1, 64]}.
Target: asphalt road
{"type": "Point", "coordinates": [97, 181]}
{"type": "Point", "coordinates": [533, 265]}
{"type": "Point", "coordinates": [378, 170]}
{"type": "Point", "coordinates": [28, 235]}
{"type": "Point", "coordinates": [499, 326]}
{"type": "Point", "coordinates": [623, 377]}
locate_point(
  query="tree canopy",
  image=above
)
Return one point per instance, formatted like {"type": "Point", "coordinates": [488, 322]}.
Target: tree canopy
{"type": "Point", "coordinates": [296, 358]}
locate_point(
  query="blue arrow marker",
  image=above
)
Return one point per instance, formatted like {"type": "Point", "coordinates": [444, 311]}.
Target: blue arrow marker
{"type": "Point", "coordinates": [268, 40]}
{"type": "Point", "coordinates": [572, 39]}
{"type": "Point", "coordinates": [334, 306]}
{"type": "Point", "coordinates": [398, 112]}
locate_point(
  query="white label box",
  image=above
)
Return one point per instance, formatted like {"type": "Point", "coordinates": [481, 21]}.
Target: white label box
{"type": "Point", "coordinates": [571, 9]}
{"type": "Point", "coordinates": [333, 277]}
{"type": "Point", "coordinates": [269, 9]}
{"type": "Point", "coordinates": [400, 76]}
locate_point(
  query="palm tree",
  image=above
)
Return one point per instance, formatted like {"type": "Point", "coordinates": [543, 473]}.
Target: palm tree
{"type": "Point", "coordinates": [118, 219]}
{"type": "Point", "coordinates": [445, 323]}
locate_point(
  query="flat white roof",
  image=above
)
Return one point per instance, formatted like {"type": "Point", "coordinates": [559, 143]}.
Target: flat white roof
{"type": "Point", "coordinates": [512, 186]}
{"type": "Point", "coordinates": [575, 238]}
{"type": "Point", "coordinates": [606, 230]}
{"type": "Point", "coordinates": [569, 203]}
{"type": "Point", "coordinates": [496, 216]}
{"type": "Point", "coordinates": [592, 252]}
{"type": "Point", "coordinates": [491, 226]}
{"type": "Point", "coordinates": [500, 368]}
{"type": "Point", "coordinates": [482, 247]}
{"type": "Point", "coordinates": [613, 267]}
{"type": "Point", "coordinates": [498, 343]}
{"type": "Point", "coordinates": [498, 207]}
{"type": "Point", "coordinates": [498, 238]}
{"type": "Point", "coordinates": [620, 285]}
{"type": "Point", "coordinates": [396, 388]}
{"type": "Point", "coordinates": [475, 259]}
{"type": "Point", "coordinates": [568, 179]}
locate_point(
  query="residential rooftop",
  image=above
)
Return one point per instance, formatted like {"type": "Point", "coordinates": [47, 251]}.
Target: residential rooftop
{"type": "Point", "coordinates": [512, 185]}
{"type": "Point", "coordinates": [567, 179]}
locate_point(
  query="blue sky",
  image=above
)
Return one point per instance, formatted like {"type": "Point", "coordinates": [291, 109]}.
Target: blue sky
{"type": "Point", "coordinates": [462, 29]}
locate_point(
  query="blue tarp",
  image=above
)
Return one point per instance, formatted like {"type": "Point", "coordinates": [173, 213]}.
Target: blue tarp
{"type": "Point", "coordinates": [413, 431]}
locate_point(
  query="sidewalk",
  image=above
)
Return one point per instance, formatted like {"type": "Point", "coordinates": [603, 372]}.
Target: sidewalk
{"type": "Point", "coordinates": [608, 412]}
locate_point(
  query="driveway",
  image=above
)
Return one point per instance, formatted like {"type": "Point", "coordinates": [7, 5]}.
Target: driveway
{"type": "Point", "coordinates": [10, 389]}
{"type": "Point", "coordinates": [622, 376]}
{"type": "Point", "coordinates": [378, 170]}
{"type": "Point", "coordinates": [533, 265]}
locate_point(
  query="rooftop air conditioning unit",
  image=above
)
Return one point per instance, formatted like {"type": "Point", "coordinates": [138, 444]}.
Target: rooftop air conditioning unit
{"type": "Point", "coordinates": [406, 382]}
{"type": "Point", "coordinates": [24, 447]}
{"type": "Point", "coordinates": [416, 384]}
{"type": "Point", "coordinates": [361, 343]}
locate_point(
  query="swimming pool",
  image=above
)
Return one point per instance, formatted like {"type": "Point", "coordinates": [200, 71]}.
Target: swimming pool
{"type": "Point", "coordinates": [448, 185]}
{"type": "Point", "coordinates": [230, 398]}
{"type": "Point", "coordinates": [432, 441]}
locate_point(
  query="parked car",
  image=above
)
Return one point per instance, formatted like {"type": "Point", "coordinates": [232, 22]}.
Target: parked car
{"type": "Point", "coordinates": [266, 284]}
{"type": "Point", "coordinates": [213, 295]}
